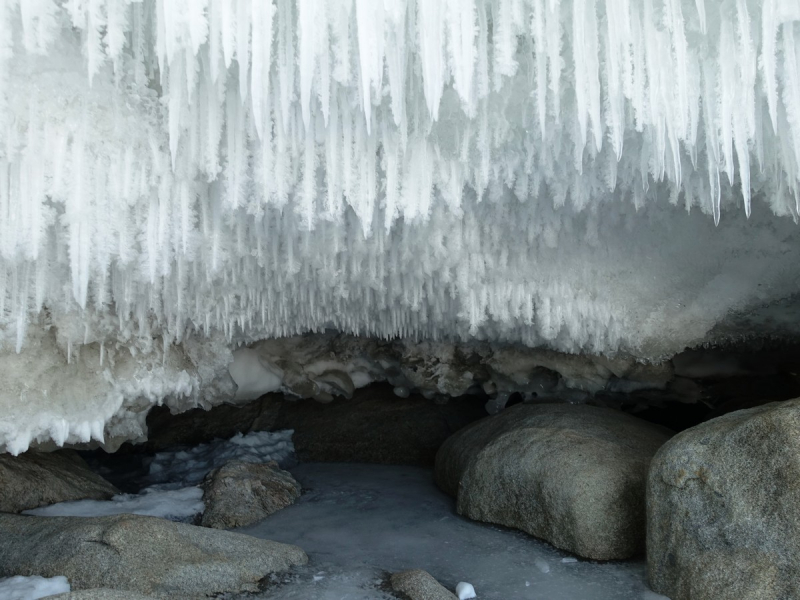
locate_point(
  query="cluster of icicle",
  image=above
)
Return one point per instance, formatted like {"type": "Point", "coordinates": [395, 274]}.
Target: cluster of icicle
{"type": "Point", "coordinates": [312, 163]}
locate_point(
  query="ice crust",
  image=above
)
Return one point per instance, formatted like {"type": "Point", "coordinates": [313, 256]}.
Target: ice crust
{"type": "Point", "coordinates": [32, 588]}
{"type": "Point", "coordinates": [177, 505]}
{"type": "Point", "coordinates": [179, 177]}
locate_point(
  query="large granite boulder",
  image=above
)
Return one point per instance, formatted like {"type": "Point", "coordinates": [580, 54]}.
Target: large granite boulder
{"type": "Point", "coordinates": [141, 554]}
{"type": "Point", "coordinates": [723, 508]}
{"type": "Point", "coordinates": [240, 494]}
{"type": "Point", "coordinates": [571, 475]}
{"type": "Point", "coordinates": [35, 479]}
{"type": "Point", "coordinates": [420, 585]}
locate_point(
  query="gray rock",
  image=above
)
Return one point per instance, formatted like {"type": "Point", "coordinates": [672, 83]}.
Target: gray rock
{"type": "Point", "coordinates": [420, 585]}
{"type": "Point", "coordinates": [101, 594]}
{"type": "Point", "coordinates": [571, 475]}
{"type": "Point", "coordinates": [36, 479]}
{"type": "Point", "coordinates": [141, 554]}
{"type": "Point", "coordinates": [723, 508]}
{"type": "Point", "coordinates": [240, 494]}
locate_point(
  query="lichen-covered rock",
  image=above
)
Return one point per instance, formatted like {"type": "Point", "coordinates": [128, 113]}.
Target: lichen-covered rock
{"type": "Point", "coordinates": [35, 479]}
{"type": "Point", "coordinates": [141, 554]}
{"type": "Point", "coordinates": [723, 508]}
{"type": "Point", "coordinates": [420, 585]}
{"type": "Point", "coordinates": [240, 493]}
{"type": "Point", "coordinates": [571, 475]}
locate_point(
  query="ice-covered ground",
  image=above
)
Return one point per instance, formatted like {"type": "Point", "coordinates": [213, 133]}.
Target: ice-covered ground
{"type": "Point", "coordinates": [171, 490]}
{"type": "Point", "coordinates": [360, 522]}
{"type": "Point", "coordinates": [32, 588]}
{"type": "Point", "coordinates": [357, 522]}
{"type": "Point", "coordinates": [176, 505]}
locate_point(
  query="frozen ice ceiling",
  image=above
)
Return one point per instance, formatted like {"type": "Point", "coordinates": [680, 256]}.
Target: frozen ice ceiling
{"type": "Point", "coordinates": [542, 171]}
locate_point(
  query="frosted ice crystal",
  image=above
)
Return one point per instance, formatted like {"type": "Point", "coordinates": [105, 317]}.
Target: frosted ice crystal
{"type": "Point", "coordinates": [159, 154]}
{"type": "Point", "coordinates": [510, 170]}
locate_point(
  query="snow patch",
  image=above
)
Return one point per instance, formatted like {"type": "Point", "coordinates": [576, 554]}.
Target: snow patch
{"type": "Point", "coordinates": [176, 505]}
{"type": "Point", "coordinates": [32, 588]}
{"type": "Point", "coordinates": [465, 591]}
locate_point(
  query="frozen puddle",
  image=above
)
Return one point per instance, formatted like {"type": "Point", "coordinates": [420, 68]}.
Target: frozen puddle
{"type": "Point", "coordinates": [357, 522]}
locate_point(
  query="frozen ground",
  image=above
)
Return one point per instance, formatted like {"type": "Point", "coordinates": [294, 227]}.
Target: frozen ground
{"type": "Point", "coordinates": [32, 588]}
{"type": "Point", "coordinates": [169, 487]}
{"type": "Point", "coordinates": [358, 522]}
{"type": "Point", "coordinates": [176, 505]}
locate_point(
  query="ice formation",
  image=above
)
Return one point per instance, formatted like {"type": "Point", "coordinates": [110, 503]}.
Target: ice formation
{"type": "Point", "coordinates": [171, 486]}
{"type": "Point", "coordinates": [176, 505]}
{"type": "Point", "coordinates": [32, 588]}
{"type": "Point", "coordinates": [189, 467]}
{"type": "Point", "coordinates": [465, 591]}
{"type": "Point", "coordinates": [178, 177]}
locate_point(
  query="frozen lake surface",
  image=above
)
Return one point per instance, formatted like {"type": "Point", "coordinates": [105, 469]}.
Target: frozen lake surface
{"type": "Point", "coordinates": [359, 522]}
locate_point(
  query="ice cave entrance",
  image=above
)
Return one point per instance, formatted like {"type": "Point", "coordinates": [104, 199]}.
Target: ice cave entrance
{"type": "Point", "coordinates": [344, 274]}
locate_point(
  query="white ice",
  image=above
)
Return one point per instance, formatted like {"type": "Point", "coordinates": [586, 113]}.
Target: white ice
{"type": "Point", "coordinates": [178, 468]}
{"type": "Point", "coordinates": [359, 522]}
{"type": "Point", "coordinates": [32, 588]}
{"type": "Point", "coordinates": [171, 489]}
{"type": "Point", "coordinates": [179, 178]}
{"type": "Point", "coordinates": [176, 505]}
{"type": "Point", "coordinates": [465, 591]}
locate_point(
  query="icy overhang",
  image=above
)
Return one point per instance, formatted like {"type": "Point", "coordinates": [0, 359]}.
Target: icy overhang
{"type": "Point", "coordinates": [595, 176]}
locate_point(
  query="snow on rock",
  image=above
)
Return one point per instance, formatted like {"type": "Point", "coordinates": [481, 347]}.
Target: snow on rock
{"type": "Point", "coordinates": [325, 365]}
{"type": "Point", "coordinates": [190, 466]}
{"type": "Point", "coordinates": [171, 490]}
{"type": "Point", "coordinates": [176, 505]}
{"type": "Point", "coordinates": [177, 178]}
{"type": "Point", "coordinates": [32, 588]}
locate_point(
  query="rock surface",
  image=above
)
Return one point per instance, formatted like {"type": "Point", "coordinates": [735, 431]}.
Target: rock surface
{"type": "Point", "coordinates": [723, 508]}
{"type": "Point", "coordinates": [240, 494]}
{"type": "Point", "coordinates": [571, 475]}
{"type": "Point", "coordinates": [140, 554]}
{"type": "Point", "coordinates": [35, 479]}
{"type": "Point", "coordinates": [420, 585]}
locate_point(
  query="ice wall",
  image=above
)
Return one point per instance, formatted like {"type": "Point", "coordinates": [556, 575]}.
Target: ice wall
{"type": "Point", "coordinates": [547, 172]}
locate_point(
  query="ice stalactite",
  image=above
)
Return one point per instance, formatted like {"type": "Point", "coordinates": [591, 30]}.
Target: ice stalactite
{"type": "Point", "coordinates": [499, 169]}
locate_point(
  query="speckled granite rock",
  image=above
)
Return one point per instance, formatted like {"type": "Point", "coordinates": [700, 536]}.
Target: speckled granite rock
{"type": "Point", "coordinates": [36, 479]}
{"type": "Point", "coordinates": [240, 494]}
{"type": "Point", "coordinates": [723, 508]}
{"type": "Point", "coordinates": [142, 554]}
{"type": "Point", "coordinates": [571, 475]}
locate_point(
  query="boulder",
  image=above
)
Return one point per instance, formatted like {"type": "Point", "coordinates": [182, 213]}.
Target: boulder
{"type": "Point", "coordinates": [420, 585]}
{"type": "Point", "coordinates": [140, 554]}
{"type": "Point", "coordinates": [571, 475]}
{"type": "Point", "coordinates": [240, 494]}
{"type": "Point", "coordinates": [723, 508]}
{"type": "Point", "coordinates": [35, 479]}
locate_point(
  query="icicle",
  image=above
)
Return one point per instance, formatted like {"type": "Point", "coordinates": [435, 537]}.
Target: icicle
{"type": "Point", "coordinates": [430, 21]}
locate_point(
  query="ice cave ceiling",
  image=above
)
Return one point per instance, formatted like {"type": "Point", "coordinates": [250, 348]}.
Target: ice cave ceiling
{"type": "Point", "coordinates": [179, 177]}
